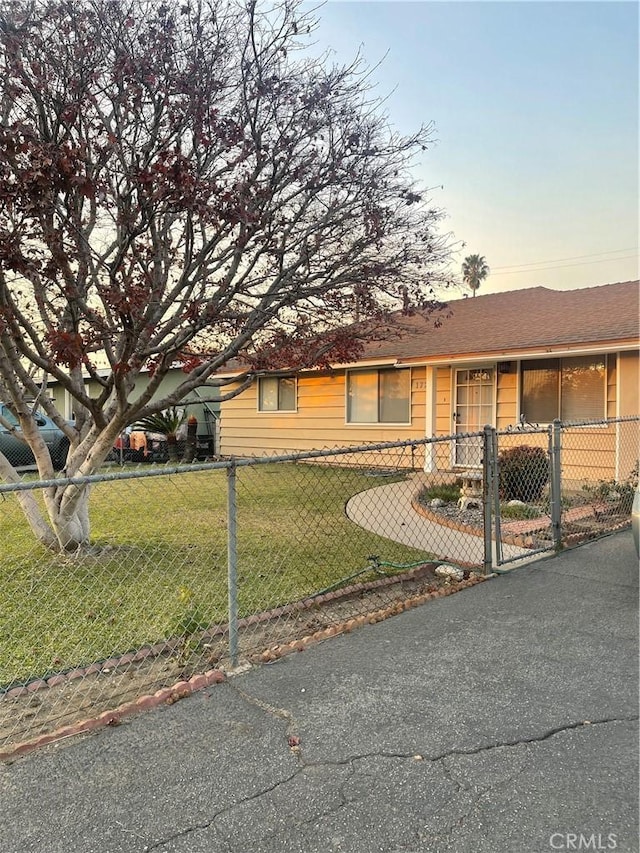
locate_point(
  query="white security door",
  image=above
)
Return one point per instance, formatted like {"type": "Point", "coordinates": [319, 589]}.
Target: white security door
{"type": "Point", "coordinates": [474, 404]}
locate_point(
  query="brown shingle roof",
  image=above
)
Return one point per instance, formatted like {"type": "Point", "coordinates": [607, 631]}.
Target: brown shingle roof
{"type": "Point", "coordinates": [536, 318]}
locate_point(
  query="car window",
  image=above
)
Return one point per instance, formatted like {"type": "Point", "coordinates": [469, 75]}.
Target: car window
{"type": "Point", "coordinates": [9, 416]}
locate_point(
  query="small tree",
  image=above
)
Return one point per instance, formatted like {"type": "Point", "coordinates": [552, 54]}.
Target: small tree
{"type": "Point", "coordinates": [167, 424]}
{"type": "Point", "coordinates": [474, 271]}
{"type": "Point", "coordinates": [184, 184]}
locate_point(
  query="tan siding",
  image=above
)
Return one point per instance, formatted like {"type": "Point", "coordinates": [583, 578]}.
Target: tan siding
{"type": "Point", "coordinates": [612, 373]}
{"type": "Point", "coordinates": [443, 401]}
{"type": "Point", "coordinates": [629, 404]}
{"type": "Point", "coordinates": [318, 423]}
{"type": "Point", "coordinates": [442, 460]}
{"type": "Point", "coordinates": [588, 453]}
{"type": "Point", "coordinates": [419, 398]}
{"type": "Point", "coordinates": [629, 383]}
{"type": "Point", "coordinates": [506, 399]}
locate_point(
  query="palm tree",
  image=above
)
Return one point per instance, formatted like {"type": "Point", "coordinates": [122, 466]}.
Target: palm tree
{"type": "Point", "coordinates": [474, 271]}
{"type": "Point", "coordinates": [165, 423]}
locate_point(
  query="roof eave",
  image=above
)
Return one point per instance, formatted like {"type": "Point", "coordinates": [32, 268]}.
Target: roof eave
{"type": "Point", "coordinates": [523, 353]}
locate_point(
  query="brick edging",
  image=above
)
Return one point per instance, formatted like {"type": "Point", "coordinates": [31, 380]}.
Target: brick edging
{"type": "Point", "coordinates": [345, 627]}
{"type": "Point", "coordinates": [166, 695]}
{"type": "Point", "coordinates": [171, 645]}
{"type": "Point", "coordinates": [183, 689]}
{"type": "Point", "coordinates": [444, 521]}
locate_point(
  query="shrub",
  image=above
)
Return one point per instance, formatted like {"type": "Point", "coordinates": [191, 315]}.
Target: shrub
{"type": "Point", "coordinates": [523, 472]}
{"type": "Point", "coordinates": [619, 495]}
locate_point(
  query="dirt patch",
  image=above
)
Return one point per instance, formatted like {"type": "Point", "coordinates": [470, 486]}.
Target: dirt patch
{"type": "Point", "coordinates": [43, 707]}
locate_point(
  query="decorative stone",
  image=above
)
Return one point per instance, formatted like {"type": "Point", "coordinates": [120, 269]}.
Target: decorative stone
{"type": "Point", "coordinates": [436, 502]}
{"type": "Point", "coordinates": [450, 572]}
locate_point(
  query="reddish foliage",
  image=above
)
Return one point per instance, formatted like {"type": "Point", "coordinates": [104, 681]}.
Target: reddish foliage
{"type": "Point", "coordinates": [177, 187]}
{"type": "Point", "coordinates": [67, 347]}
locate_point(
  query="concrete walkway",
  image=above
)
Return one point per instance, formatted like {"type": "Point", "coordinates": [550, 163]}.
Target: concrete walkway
{"type": "Point", "coordinates": [387, 510]}
{"type": "Point", "coordinates": [502, 719]}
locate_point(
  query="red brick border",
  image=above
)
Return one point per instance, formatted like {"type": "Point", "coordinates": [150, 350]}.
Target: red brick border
{"type": "Point", "coordinates": [517, 539]}
{"type": "Point", "coordinates": [166, 695]}
{"type": "Point", "coordinates": [169, 646]}
{"type": "Point", "coordinates": [182, 689]}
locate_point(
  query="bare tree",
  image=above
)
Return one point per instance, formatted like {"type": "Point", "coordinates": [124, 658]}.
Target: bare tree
{"type": "Point", "coordinates": [184, 184]}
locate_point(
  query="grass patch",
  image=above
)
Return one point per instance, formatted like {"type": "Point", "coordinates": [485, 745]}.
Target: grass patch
{"type": "Point", "coordinates": [448, 492]}
{"type": "Point", "coordinates": [159, 568]}
{"type": "Point", "coordinates": [518, 512]}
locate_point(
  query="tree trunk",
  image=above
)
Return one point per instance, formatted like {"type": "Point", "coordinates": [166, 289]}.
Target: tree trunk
{"type": "Point", "coordinates": [172, 448]}
{"type": "Point", "coordinates": [29, 506]}
{"type": "Point", "coordinates": [192, 440]}
{"type": "Point", "coordinates": [68, 509]}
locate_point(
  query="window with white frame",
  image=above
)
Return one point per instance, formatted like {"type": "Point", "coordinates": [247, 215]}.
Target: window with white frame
{"type": "Point", "coordinates": [379, 396]}
{"type": "Point", "coordinates": [572, 389]}
{"type": "Point", "coordinates": [277, 394]}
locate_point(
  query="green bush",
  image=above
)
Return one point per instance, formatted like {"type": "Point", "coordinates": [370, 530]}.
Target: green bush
{"type": "Point", "coordinates": [523, 472]}
{"type": "Point", "coordinates": [619, 495]}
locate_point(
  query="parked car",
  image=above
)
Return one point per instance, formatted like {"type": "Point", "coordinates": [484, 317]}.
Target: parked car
{"type": "Point", "coordinates": [19, 453]}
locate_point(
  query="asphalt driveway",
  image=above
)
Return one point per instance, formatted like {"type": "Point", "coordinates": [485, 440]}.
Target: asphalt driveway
{"type": "Point", "coordinates": [500, 719]}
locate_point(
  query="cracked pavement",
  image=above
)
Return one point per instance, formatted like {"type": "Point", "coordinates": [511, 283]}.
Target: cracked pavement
{"type": "Point", "coordinates": [498, 719]}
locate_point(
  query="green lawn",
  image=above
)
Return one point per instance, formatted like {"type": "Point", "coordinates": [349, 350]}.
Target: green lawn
{"type": "Point", "coordinates": [159, 568]}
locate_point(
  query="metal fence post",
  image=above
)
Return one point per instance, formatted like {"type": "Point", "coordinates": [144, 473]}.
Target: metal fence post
{"type": "Point", "coordinates": [232, 563]}
{"type": "Point", "coordinates": [495, 482]}
{"type": "Point", "coordinates": [487, 491]}
{"type": "Point", "coordinates": [555, 455]}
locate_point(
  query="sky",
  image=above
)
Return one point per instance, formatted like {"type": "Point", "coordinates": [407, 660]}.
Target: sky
{"type": "Point", "coordinates": [536, 115]}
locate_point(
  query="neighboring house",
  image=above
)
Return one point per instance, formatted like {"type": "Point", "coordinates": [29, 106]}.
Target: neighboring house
{"type": "Point", "coordinates": [531, 355]}
{"type": "Point", "coordinates": [200, 402]}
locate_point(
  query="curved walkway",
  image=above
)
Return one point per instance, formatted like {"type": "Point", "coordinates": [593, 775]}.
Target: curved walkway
{"type": "Point", "coordinates": [387, 511]}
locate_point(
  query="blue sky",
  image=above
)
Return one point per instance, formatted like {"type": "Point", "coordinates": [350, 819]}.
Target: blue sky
{"type": "Point", "coordinates": [535, 106]}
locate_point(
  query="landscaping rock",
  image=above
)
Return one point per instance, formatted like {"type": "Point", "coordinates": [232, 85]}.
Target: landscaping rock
{"type": "Point", "coordinates": [451, 572]}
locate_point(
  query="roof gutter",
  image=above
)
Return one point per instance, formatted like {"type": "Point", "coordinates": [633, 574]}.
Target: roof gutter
{"type": "Point", "coordinates": [514, 355]}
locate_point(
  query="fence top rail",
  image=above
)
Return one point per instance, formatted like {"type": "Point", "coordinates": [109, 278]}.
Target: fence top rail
{"type": "Point", "coordinates": [225, 464]}
{"type": "Point", "coordinates": [531, 428]}
{"type": "Point", "coordinates": [300, 456]}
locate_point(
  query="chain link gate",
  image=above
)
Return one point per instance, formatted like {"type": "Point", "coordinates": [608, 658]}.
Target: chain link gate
{"type": "Point", "coordinates": [559, 485]}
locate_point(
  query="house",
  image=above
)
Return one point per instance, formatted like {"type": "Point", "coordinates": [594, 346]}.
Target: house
{"type": "Point", "coordinates": [200, 402]}
{"type": "Point", "coordinates": [526, 355]}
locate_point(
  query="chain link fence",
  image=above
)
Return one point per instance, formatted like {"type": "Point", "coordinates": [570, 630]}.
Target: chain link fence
{"type": "Point", "coordinates": [560, 485]}
{"type": "Point", "coordinates": [200, 568]}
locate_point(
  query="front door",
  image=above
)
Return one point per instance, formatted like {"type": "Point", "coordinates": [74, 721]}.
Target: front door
{"type": "Point", "coordinates": [474, 396]}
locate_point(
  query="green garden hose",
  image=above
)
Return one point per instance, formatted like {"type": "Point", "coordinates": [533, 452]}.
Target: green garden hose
{"type": "Point", "coordinates": [379, 566]}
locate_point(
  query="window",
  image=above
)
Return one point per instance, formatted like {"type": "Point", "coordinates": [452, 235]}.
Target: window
{"type": "Point", "coordinates": [276, 394]}
{"type": "Point", "coordinates": [379, 396]}
{"type": "Point", "coordinates": [572, 389]}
